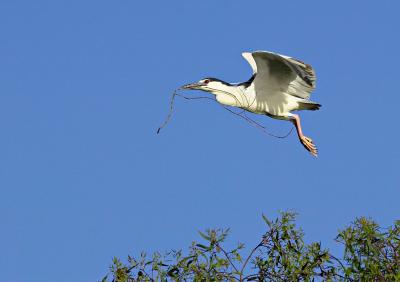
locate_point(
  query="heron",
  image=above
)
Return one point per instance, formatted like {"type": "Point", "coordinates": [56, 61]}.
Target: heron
{"type": "Point", "coordinates": [279, 85]}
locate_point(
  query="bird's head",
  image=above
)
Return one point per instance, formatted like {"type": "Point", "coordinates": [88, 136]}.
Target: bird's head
{"type": "Point", "coordinates": [208, 84]}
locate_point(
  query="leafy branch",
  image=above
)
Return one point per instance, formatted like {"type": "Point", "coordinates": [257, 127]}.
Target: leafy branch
{"type": "Point", "coordinates": [370, 253]}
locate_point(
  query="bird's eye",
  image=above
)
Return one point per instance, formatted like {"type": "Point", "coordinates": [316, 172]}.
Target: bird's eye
{"type": "Point", "coordinates": [206, 81]}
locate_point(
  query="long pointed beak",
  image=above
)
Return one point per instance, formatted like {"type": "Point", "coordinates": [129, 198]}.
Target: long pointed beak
{"type": "Point", "coordinates": [192, 86]}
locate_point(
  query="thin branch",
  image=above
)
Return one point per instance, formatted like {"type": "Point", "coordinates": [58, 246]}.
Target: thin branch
{"type": "Point", "coordinates": [247, 260]}
{"type": "Point", "coordinates": [256, 124]}
{"type": "Point", "coordinates": [228, 258]}
{"type": "Point", "coordinates": [343, 267]}
{"type": "Point", "coordinates": [241, 114]}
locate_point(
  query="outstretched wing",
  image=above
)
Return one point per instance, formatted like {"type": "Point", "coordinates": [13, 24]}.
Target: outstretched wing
{"type": "Point", "coordinates": [275, 72]}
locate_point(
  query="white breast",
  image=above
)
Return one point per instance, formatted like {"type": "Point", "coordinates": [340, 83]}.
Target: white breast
{"type": "Point", "coordinates": [276, 103]}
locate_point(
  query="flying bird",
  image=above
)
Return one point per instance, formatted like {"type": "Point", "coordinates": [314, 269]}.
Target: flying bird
{"type": "Point", "coordinates": [279, 85]}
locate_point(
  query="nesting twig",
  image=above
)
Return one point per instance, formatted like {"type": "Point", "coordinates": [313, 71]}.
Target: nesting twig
{"type": "Point", "coordinates": [241, 114]}
{"type": "Point", "coordinates": [171, 109]}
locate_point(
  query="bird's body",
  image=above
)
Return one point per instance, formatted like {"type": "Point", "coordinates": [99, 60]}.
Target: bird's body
{"type": "Point", "coordinates": [275, 104]}
{"type": "Point", "coordinates": [278, 86]}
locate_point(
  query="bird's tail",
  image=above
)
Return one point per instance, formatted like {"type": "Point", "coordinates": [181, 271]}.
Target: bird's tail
{"type": "Point", "coordinates": [309, 105]}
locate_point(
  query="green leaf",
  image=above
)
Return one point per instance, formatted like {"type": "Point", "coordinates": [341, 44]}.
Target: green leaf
{"type": "Point", "coordinates": [208, 238]}
{"type": "Point", "coordinates": [203, 247]}
{"type": "Point", "coordinates": [267, 221]}
{"type": "Point", "coordinates": [173, 272]}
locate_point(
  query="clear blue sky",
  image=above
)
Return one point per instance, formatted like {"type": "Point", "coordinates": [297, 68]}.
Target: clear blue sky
{"type": "Point", "coordinates": [85, 84]}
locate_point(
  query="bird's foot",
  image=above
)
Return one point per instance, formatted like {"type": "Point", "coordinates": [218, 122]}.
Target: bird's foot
{"type": "Point", "coordinates": [309, 145]}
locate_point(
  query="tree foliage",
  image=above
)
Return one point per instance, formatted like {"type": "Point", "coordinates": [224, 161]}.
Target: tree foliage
{"type": "Point", "coordinates": [370, 253]}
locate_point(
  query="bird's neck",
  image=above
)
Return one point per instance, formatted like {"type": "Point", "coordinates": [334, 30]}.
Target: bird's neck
{"type": "Point", "coordinates": [228, 95]}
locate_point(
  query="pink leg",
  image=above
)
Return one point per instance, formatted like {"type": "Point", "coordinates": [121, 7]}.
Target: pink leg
{"type": "Point", "coordinates": [306, 141]}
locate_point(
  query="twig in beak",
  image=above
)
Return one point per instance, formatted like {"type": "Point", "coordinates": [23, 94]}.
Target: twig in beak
{"type": "Point", "coordinates": [241, 114]}
{"type": "Point", "coordinates": [171, 109]}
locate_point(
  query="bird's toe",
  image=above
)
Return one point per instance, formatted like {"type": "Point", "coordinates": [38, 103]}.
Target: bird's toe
{"type": "Point", "coordinates": [309, 145]}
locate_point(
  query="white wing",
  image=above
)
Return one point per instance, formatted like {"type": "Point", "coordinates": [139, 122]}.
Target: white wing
{"type": "Point", "coordinates": [278, 73]}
